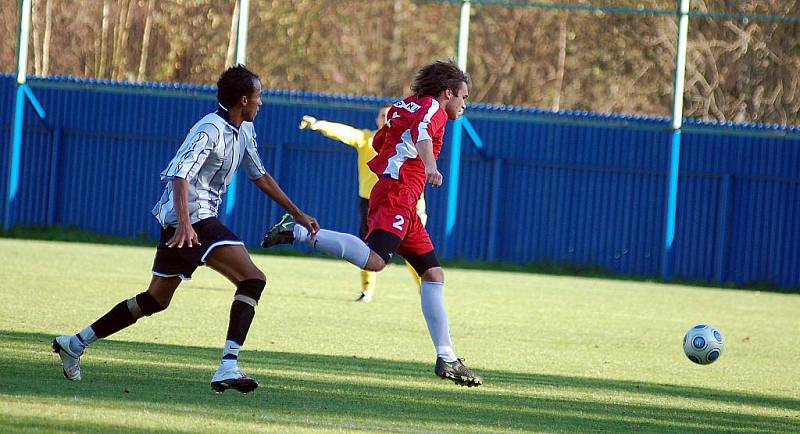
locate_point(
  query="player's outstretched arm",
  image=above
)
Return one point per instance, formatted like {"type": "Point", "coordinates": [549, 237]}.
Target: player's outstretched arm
{"type": "Point", "coordinates": [307, 123]}
{"type": "Point", "coordinates": [271, 188]}
{"type": "Point", "coordinates": [336, 131]}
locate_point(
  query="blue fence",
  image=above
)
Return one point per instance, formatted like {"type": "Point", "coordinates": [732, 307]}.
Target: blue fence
{"type": "Point", "coordinates": [567, 187]}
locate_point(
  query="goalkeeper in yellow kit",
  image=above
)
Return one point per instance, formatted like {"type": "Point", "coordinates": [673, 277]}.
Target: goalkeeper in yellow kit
{"type": "Point", "coordinates": [361, 140]}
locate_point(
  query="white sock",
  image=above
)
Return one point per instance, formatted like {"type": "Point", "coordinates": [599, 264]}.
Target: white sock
{"type": "Point", "coordinates": [230, 355]}
{"type": "Point", "coordinates": [343, 246]}
{"type": "Point", "coordinates": [436, 318]}
{"type": "Point", "coordinates": [88, 335]}
{"type": "Point", "coordinates": [81, 340]}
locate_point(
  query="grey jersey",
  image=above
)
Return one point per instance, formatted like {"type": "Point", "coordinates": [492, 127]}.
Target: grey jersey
{"type": "Point", "coordinates": [207, 159]}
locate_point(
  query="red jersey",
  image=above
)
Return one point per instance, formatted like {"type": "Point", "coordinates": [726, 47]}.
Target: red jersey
{"type": "Point", "coordinates": [408, 122]}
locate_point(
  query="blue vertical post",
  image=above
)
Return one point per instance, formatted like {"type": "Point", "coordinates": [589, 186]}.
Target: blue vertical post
{"type": "Point", "coordinates": [241, 57]}
{"type": "Point", "coordinates": [675, 148]}
{"type": "Point", "coordinates": [15, 152]}
{"type": "Point", "coordinates": [455, 148]}
{"type": "Point", "coordinates": [672, 204]}
{"type": "Point", "coordinates": [452, 188]}
{"type": "Point", "coordinates": [15, 157]}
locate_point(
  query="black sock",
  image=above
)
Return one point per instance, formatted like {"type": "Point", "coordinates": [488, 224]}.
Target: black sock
{"type": "Point", "coordinates": [115, 320]}
{"type": "Point", "coordinates": [241, 317]}
{"type": "Point", "coordinates": [126, 313]}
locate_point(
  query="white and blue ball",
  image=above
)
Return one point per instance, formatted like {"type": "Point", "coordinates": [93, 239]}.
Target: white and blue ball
{"type": "Point", "coordinates": [703, 344]}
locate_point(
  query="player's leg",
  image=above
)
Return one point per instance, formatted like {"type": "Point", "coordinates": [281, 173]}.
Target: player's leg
{"type": "Point", "coordinates": [414, 276]}
{"type": "Point", "coordinates": [448, 365]}
{"type": "Point", "coordinates": [368, 278]}
{"type": "Point", "coordinates": [169, 268]}
{"type": "Point", "coordinates": [388, 210]}
{"type": "Point", "coordinates": [233, 262]}
{"type": "Point", "coordinates": [432, 302]}
{"type": "Point", "coordinates": [124, 314]}
{"type": "Point", "coordinates": [423, 218]}
{"type": "Point", "coordinates": [341, 245]}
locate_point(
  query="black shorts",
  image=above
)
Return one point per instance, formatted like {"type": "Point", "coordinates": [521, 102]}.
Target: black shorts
{"type": "Point", "coordinates": [181, 262]}
{"type": "Point", "coordinates": [386, 243]}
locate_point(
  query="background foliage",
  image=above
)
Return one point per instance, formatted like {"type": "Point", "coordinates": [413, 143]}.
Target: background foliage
{"type": "Point", "coordinates": [739, 70]}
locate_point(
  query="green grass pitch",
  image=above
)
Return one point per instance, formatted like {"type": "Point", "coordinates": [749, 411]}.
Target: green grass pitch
{"type": "Point", "coordinates": [559, 354]}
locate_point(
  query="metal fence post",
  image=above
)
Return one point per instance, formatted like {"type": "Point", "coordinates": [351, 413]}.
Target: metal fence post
{"type": "Point", "coordinates": [241, 57]}
{"type": "Point", "coordinates": [15, 151]}
{"type": "Point", "coordinates": [455, 148]}
{"type": "Point", "coordinates": [675, 149]}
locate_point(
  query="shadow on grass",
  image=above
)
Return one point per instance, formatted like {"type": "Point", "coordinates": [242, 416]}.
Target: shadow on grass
{"type": "Point", "coordinates": [319, 391]}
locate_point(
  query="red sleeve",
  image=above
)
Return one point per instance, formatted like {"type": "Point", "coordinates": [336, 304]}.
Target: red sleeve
{"type": "Point", "coordinates": [378, 139]}
{"type": "Point", "coordinates": [429, 124]}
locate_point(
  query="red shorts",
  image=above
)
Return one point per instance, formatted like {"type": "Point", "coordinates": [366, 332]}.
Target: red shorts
{"type": "Point", "coordinates": [393, 208]}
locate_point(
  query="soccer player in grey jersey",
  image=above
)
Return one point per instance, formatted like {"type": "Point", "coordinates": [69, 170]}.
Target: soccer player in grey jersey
{"type": "Point", "coordinates": [191, 234]}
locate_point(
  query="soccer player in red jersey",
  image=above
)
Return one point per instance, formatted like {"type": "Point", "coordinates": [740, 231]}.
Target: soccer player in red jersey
{"type": "Point", "coordinates": [407, 148]}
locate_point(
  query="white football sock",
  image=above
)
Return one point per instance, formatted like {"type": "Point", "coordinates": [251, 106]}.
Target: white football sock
{"type": "Point", "coordinates": [79, 342]}
{"type": "Point", "coordinates": [88, 335]}
{"type": "Point", "coordinates": [230, 355]}
{"type": "Point", "coordinates": [343, 246]}
{"type": "Point", "coordinates": [436, 317]}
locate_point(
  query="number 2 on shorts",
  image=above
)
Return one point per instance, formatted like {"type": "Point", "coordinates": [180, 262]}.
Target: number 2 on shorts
{"type": "Point", "coordinates": [398, 222]}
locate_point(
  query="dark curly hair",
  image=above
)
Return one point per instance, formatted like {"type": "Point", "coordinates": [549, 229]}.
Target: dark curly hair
{"type": "Point", "coordinates": [432, 79]}
{"type": "Point", "coordinates": [236, 82]}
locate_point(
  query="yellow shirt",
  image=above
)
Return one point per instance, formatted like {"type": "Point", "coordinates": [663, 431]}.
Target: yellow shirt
{"type": "Point", "coordinates": [361, 140]}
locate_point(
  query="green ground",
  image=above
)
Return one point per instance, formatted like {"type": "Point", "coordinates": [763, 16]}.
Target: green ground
{"type": "Point", "coordinates": [557, 353]}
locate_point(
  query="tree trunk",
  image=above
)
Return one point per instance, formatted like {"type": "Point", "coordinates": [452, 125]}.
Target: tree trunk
{"type": "Point", "coordinates": [48, 27]}
{"type": "Point", "coordinates": [229, 55]}
{"type": "Point", "coordinates": [37, 47]}
{"type": "Point", "coordinates": [125, 31]}
{"type": "Point", "coordinates": [148, 24]}
{"type": "Point", "coordinates": [101, 69]}
{"type": "Point", "coordinates": [118, 58]}
{"type": "Point", "coordinates": [562, 60]}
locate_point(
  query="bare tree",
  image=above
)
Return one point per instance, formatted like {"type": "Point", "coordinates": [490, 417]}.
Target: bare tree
{"type": "Point", "coordinates": [119, 57]}
{"type": "Point", "coordinates": [36, 34]}
{"type": "Point", "coordinates": [233, 34]}
{"type": "Point", "coordinates": [562, 59]}
{"type": "Point", "coordinates": [101, 65]}
{"type": "Point", "coordinates": [148, 25]}
{"type": "Point", "coordinates": [743, 70]}
{"type": "Point", "coordinates": [48, 31]}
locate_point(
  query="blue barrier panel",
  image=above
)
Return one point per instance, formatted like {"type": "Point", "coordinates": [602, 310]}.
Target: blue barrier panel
{"type": "Point", "coordinates": [567, 187]}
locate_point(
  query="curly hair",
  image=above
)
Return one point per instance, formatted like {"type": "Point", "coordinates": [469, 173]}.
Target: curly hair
{"type": "Point", "coordinates": [434, 78]}
{"type": "Point", "coordinates": [236, 82]}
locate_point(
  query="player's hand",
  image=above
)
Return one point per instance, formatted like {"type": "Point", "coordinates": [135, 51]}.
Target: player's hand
{"type": "Point", "coordinates": [433, 177]}
{"type": "Point", "coordinates": [309, 223]}
{"type": "Point", "coordinates": [184, 235]}
{"type": "Point", "coordinates": [307, 122]}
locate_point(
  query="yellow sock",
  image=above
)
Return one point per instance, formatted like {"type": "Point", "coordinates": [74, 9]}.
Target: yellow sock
{"type": "Point", "coordinates": [414, 275]}
{"type": "Point", "coordinates": [368, 279]}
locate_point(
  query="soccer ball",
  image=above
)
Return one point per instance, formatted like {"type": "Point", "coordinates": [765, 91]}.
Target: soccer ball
{"type": "Point", "coordinates": [703, 344]}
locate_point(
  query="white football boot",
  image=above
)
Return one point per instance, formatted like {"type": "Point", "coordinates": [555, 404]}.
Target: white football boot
{"type": "Point", "coordinates": [232, 378]}
{"type": "Point", "coordinates": [70, 361]}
